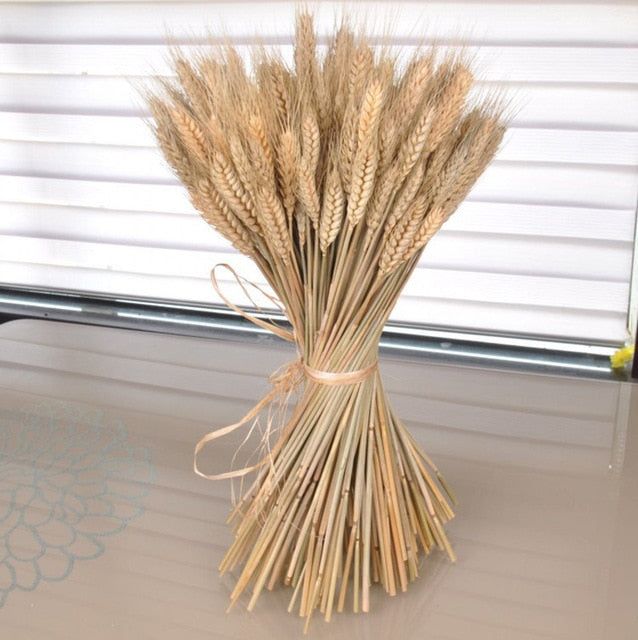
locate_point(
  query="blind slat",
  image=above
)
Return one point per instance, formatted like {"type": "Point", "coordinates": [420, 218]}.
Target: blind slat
{"type": "Point", "coordinates": [590, 185]}
{"type": "Point", "coordinates": [186, 228]}
{"type": "Point", "coordinates": [566, 64]}
{"type": "Point", "coordinates": [501, 21]}
{"type": "Point", "coordinates": [555, 261]}
{"type": "Point", "coordinates": [521, 144]}
{"type": "Point", "coordinates": [539, 105]}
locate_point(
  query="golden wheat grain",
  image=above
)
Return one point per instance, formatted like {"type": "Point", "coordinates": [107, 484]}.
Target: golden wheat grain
{"type": "Point", "coordinates": [235, 69]}
{"type": "Point", "coordinates": [337, 60]}
{"type": "Point", "coordinates": [388, 140]}
{"type": "Point", "coordinates": [454, 170]}
{"type": "Point", "coordinates": [348, 144]}
{"type": "Point", "coordinates": [323, 101]}
{"type": "Point", "coordinates": [229, 185]}
{"type": "Point", "coordinates": [406, 195]}
{"type": "Point", "coordinates": [449, 103]}
{"type": "Point", "coordinates": [169, 142]}
{"type": "Point", "coordinates": [383, 192]}
{"type": "Point", "coordinates": [305, 45]}
{"type": "Point", "coordinates": [241, 161]}
{"type": "Point", "coordinates": [360, 68]}
{"type": "Point", "coordinates": [279, 83]}
{"type": "Point", "coordinates": [407, 98]}
{"type": "Point", "coordinates": [413, 146]}
{"type": "Point", "coordinates": [212, 73]}
{"type": "Point", "coordinates": [370, 113]}
{"type": "Point", "coordinates": [300, 223]}
{"type": "Point", "coordinates": [460, 169]}
{"type": "Point", "coordinates": [275, 226]}
{"type": "Point", "coordinates": [366, 158]}
{"type": "Point", "coordinates": [433, 222]}
{"type": "Point", "coordinates": [307, 194]}
{"type": "Point", "coordinates": [310, 142]}
{"type": "Point", "coordinates": [411, 91]}
{"type": "Point", "coordinates": [286, 162]}
{"type": "Point", "coordinates": [217, 134]}
{"type": "Point", "coordinates": [261, 152]}
{"type": "Point", "coordinates": [385, 71]}
{"type": "Point", "coordinates": [215, 211]}
{"type": "Point", "coordinates": [332, 210]}
{"type": "Point", "coordinates": [191, 134]}
{"type": "Point", "coordinates": [400, 240]}
{"type": "Point", "coordinates": [309, 80]}
{"type": "Point", "coordinates": [486, 142]}
{"type": "Point", "coordinates": [435, 163]}
{"type": "Point", "coordinates": [362, 181]}
{"type": "Point", "coordinates": [193, 86]}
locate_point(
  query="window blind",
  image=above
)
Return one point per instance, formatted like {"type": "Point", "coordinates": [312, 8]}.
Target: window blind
{"type": "Point", "coordinates": [543, 246]}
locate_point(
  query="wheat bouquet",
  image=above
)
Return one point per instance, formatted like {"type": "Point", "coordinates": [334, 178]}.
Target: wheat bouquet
{"type": "Point", "coordinates": [332, 176]}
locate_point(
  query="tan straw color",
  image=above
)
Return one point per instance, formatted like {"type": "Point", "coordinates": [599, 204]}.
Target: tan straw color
{"type": "Point", "coordinates": [332, 174]}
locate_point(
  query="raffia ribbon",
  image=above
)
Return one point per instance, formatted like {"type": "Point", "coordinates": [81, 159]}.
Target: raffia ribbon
{"type": "Point", "coordinates": [284, 380]}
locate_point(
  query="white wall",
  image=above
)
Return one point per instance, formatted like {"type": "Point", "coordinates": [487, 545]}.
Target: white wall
{"type": "Point", "coordinates": [542, 246]}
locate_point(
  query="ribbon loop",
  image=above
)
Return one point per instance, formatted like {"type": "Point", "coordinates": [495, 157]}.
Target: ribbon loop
{"type": "Point", "coordinates": [269, 326]}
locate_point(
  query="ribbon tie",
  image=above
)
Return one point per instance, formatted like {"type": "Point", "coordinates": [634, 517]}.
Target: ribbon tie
{"type": "Point", "coordinates": [284, 380]}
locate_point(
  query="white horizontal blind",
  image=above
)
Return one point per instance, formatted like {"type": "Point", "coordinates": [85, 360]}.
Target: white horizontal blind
{"type": "Point", "coordinates": [542, 246]}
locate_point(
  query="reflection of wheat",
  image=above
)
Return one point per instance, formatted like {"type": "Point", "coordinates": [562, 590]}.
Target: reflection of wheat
{"type": "Point", "coordinates": [68, 479]}
{"type": "Point", "coordinates": [332, 176]}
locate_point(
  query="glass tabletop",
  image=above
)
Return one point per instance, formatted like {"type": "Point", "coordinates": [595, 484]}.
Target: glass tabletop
{"type": "Point", "coordinates": [105, 531]}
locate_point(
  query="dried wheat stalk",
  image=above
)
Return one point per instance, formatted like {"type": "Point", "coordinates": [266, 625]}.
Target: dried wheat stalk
{"type": "Point", "coordinates": [332, 175]}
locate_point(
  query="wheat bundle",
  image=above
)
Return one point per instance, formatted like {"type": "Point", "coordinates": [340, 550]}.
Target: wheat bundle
{"type": "Point", "coordinates": [332, 175]}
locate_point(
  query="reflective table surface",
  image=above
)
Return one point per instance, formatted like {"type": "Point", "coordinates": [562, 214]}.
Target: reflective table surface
{"type": "Point", "coordinates": [105, 532]}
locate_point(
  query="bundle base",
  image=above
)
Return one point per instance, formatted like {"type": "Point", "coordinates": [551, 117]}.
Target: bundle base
{"type": "Point", "coordinates": [347, 500]}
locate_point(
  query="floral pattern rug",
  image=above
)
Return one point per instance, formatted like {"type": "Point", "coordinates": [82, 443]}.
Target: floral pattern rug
{"type": "Point", "coordinates": [69, 479]}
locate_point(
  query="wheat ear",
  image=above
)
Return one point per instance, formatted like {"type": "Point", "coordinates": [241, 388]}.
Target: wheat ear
{"type": "Point", "coordinates": [408, 98]}
{"type": "Point", "coordinates": [413, 146]}
{"type": "Point", "coordinates": [481, 151]}
{"type": "Point", "coordinates": [279, 83]}
{"type": "Point", "coordinates": [229, 185]}
{"type": "Point", "coordinates": [367, 155]}
{"type": "Point", "coordinates": [307, 186]}
{"type": "Point", "coordinates": [170, 143]}
{"type": "Point", "coordinates": [215, 211]}
{"type": "Point", "coordinates": [332, 210]}
{"type": "Point", "coordinates": [407, 194]}
{"type": "Point", "coordinates": [275, 225]}
{"type": "Point", "coordinates": [194, 86]}
{"type": "Point", "coordinates": [242, 163]}
{"type": "Point", "coordinates": [400, 240]}
{"type": "Point", "coordinates": [450, 104]}
{"type": "Point", "coordinates": [286, 163]}
{"type": "Point", "coordinates": [307, 194]}
{"type": "Point", "coordinates": [191, 134]}
{"type": "Point", "coordinates": [261, 153]}
{"type": "Point", "coordinates": [433, 222]}
{"type": "Point", "coordinates": [348, 143]}
{"type": "Point", "coordinates": [310, 141]}
{"type": "Point", "coordinates": [360, 69]}
{"type": "Point", "coordinates": [381, 197]}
